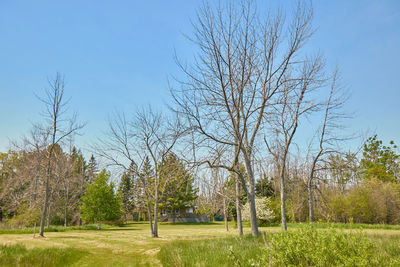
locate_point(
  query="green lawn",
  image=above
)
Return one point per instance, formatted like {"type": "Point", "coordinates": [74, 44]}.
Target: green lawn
{"type": "Point", "coordinates": [131, 245]}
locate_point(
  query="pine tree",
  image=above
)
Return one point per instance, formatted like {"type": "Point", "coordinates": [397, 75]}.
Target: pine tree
{"type": "Point", "coordinates": [92, 169]}
{"type": "Point", "coordinates": [125, 188]}
{"type": "Point", "coordinates": [100, 203]}
{"type": "Point", "coordinates": [178, 191]}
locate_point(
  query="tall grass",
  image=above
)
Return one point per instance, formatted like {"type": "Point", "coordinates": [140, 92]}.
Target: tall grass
{"type": "Point", "coordinates": [214, 252]}
{"type": "Point", "coordinates": [359, 226]}
{"type": "Point", "coordinates": [301, 247]}
{"type": "Point", "coordinates": [18, 255]}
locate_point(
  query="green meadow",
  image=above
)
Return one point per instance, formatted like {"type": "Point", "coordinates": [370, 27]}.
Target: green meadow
{"type": "Point", "coordinates": [204, 245]}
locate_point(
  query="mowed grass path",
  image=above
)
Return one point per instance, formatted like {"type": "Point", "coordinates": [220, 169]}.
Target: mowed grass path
{"type": "Point", "coordinates": [131, 244]}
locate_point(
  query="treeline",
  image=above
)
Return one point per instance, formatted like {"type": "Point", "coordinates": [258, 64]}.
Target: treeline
{"type": "Point", "coordinates": [81, 193]}
{"type": "Point", "coordinates": [348, 188]}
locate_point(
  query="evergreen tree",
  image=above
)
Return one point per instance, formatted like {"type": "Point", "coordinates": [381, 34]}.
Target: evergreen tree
{"type": "Point", "coordinates": [125, 188]}
{"type": "Point", "coordinates": [264, 187]}
{"type": "Point", "coordinates": [178, 191]}
{"type": "Point", "coordinates": [142, 194]}
{"type": "Point", "coordinates": [379, 161]}
{"type": "Point", "coordinates": [100, 203]}
{"type": "Point", "coordinates": [92, 169]}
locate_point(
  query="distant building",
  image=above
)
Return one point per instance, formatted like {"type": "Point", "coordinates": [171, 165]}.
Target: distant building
{"type": "Point", "coordinates": [183, 215]}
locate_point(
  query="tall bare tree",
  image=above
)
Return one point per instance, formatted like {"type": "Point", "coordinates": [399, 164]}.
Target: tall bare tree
{"type": "Point", "coordinates": [55, 109]}
{"type": "Point", "coordinates": [328, 138]}
{"type": "Point", "coordinates": [156, 135]}
{"type": "Point", "coordinates": [295, 101]}
{"type": "Point", "coordinates": [244, 60]}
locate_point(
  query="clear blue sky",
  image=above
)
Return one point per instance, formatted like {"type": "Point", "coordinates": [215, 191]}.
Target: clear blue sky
{"type": "Point", "coordinates": [117, 55]}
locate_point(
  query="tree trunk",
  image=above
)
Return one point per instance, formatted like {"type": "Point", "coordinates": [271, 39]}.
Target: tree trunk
{"type": "Point", "coordinates": [47, 192]}
{"type": "Point", "coordinates": [46, 201]}
{"type": "Point", "coordinates": [251, 197]}
{"type": "Point", "coordinates": [66, 209]}
{"type": "Point", "coordinates": [149, 214]}
{"type": "Point", "coordinates": [155, 232]}
{"type": "Point", "coordinates": [283, 199]}
{"type": "Point", "coordinates": [238, 206]}
{"type": "Point", "coordinates": [48, 217]}
{"type": "Point", "coordinates": [310, 202]}
{"type": "Point", "coordinates": [225, 215]}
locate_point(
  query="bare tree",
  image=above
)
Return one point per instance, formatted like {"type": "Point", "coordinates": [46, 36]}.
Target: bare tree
{"type": "Point", "coordinates": [54, 114]}
{"type": "Point", "coordinates": [148, 135]}
{"type": "Point", "coordinates": [157, 135]}
{"type": "Point", "coordinates": [327, 137]}
{"type": "Point", "coordinates": [294, 102]}
{"type": "Point", "coordinates": [243, 62]}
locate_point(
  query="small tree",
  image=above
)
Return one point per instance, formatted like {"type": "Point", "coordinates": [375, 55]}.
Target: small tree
{"type": "Point", "coordinates": [379, 161]}
{"type": "Point", "coordinates": [263, 208]}
{"type": "Point", "coordinates": [100, 202]}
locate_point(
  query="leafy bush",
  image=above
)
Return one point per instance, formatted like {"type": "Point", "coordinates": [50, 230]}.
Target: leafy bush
{"type": "Point", "coordinates": [263, 209]}
{"type": "Point", "coordinates": [373, 201]}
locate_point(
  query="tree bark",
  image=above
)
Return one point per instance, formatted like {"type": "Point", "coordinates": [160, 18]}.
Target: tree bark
{"type": "Point", "coordinates": [48, 217]}
{"type": "Point", "coordinates": [310, 202]}
{"type": "Point", "coordinates": [155, 232]}
{"type": "Point", "coordinates": [238, 206]}
{"type": "Point", "coordinates": [251, 197]}
{"type": "Point", "coordinates": [149, 213]}
{"type": "Point", "coordinates": [283, 199]}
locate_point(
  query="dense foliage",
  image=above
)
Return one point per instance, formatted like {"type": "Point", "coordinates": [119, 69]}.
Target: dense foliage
{"type": "Point", "coordinates": [100, 203]}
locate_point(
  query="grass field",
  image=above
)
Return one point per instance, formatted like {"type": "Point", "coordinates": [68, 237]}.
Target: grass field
{"type": "Point", "coordinates": [131, 245]}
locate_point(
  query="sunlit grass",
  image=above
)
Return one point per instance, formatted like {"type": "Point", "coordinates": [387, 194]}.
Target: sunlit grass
{"type": "Point", "coordinates": [4, 229]}
{"type": "Point", "coordinates": [132, 244]}
{"type": "Point", "coordinates": [19, 255]}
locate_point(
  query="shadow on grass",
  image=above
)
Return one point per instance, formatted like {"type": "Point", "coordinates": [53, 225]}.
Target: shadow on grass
{"type": "Point", "coordinates": [191, 223]}
{"type": "Point", "coordinates": [118, 229]}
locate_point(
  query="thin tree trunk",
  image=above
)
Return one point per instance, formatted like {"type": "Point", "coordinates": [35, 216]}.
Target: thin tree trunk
{"type": "Point", "coordinates": [155, 233]}
{"type": "Point", "coordinates": [46, 198]}
{"type": "Point", "coordinates": [225, 215]}
{"type": "Point", "coordinates": [283, 199]}
{"type": "Point", "coordinates": [149, 214]}
{"type": "Point", "coordinates": [66, 208]}
{"type": "Point", "coordinates": [48, 173]}
{"type": "Point", "coordinates": [310, 202]}
{"type": "Point", "coordinates": [48, 217]}
{"type": "Point", "coordinates": [238, 206]}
